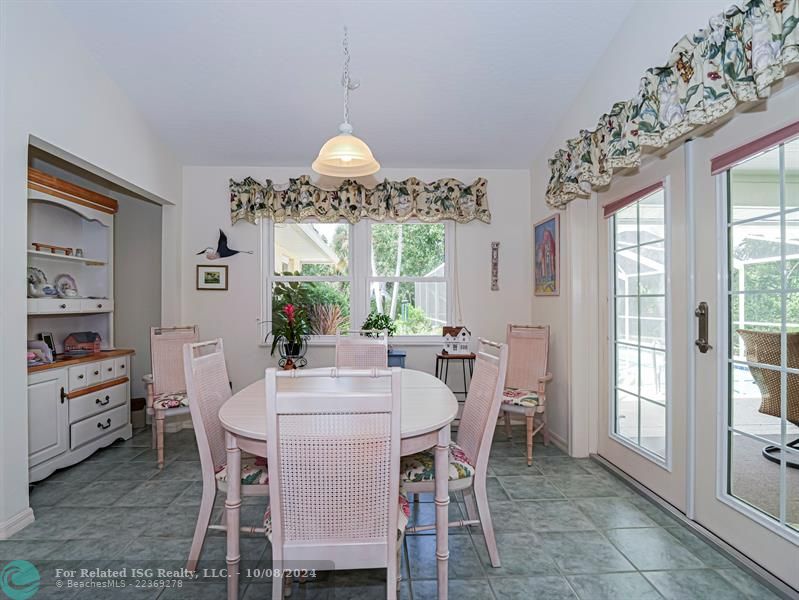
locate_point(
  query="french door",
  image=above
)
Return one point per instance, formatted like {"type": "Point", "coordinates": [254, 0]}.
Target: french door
{"type": "Point", "coordinates": [643, 373]}
{"type": "Point", "coordinates": [745, 195]}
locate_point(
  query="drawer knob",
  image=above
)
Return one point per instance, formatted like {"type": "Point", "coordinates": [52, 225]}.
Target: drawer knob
{"type": "Point", "coordinates": [99, 306]}
{"type": "Point", "coordinates": [106, 426]}
{"type": "Point", "coordinates": [101, 402]}
{"type": "Point", "coordinates": [97, 372]}
{"type": "Point", "coordinates": [62, 306]}
{"type": "Point", "coordinates": [121, 366]}
{"type": "Point", "coordinates": [110, 369]}
{"type": "Point", "coordinates": [80, 376]}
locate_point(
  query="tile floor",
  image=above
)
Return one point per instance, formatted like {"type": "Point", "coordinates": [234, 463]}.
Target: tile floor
{"type": "Point", "coordinates": [566, 528]}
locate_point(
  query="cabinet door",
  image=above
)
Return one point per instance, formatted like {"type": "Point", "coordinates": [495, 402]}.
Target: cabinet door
{"type": "Point", "coordinates": [48, 419]}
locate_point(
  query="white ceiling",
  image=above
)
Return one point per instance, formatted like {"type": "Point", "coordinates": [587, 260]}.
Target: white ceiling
{"type": "Point", "coordinates": [444, 84]}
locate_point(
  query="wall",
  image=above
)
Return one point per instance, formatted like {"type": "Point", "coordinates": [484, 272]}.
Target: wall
{"type": "Point", "coordinates": [137, 283]}
{"type": "Point", "coordinates": [637, 46]}
{"type": "Point", "coordinates": [233, 314]}
{"type": "Point", "coordinates": [51, 88]}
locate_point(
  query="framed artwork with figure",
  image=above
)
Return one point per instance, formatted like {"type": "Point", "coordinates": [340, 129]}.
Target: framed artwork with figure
{"type": "Point", "coordinates": [546, 256]}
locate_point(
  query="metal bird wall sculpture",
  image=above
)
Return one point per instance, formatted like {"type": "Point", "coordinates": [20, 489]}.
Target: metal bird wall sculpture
{"type": "Point", "coordinates": [222, 250]}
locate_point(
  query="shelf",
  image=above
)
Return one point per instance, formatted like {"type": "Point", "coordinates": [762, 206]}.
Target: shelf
{"type": "Point", "coordinates": [80, 259]}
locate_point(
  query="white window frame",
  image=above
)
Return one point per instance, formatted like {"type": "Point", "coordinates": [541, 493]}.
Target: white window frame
{"type": "Point", "coordinates": [665, 462]}
{"type": "Point", "coordinates": [359, 277]}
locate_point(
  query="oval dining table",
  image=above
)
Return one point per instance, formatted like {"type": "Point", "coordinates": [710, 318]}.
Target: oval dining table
{"type": "Point", "coordinates": [428, 409]}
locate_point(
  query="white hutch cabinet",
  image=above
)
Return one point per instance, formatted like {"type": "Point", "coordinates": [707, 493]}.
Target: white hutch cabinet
{"type": "Point", "coordinates": [76, 405]}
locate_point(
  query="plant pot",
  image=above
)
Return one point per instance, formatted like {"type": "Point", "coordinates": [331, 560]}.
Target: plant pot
{"type": "Point", "coordinates": [292, 349]}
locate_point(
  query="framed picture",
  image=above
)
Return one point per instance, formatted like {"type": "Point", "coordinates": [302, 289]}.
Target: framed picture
{"type": "Point", "coordinates": [211, 277]}
{"type": "Point", "coordinates": [546, 256]}
{"type": "Point", "coordinates": [47, 338]}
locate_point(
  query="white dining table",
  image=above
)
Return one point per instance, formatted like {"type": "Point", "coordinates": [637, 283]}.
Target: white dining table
{"type": "Point", "coordinates": [428, 409]}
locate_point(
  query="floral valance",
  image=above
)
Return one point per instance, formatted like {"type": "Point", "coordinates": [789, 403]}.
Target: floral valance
{"type": "Point", "coordinates": [734, 60]}
{"type": "Point", "coordinates": [395, 200]}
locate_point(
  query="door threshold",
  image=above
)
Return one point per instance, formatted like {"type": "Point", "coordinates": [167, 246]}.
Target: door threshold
{"type": "Point", "coordinates": [775, 584]}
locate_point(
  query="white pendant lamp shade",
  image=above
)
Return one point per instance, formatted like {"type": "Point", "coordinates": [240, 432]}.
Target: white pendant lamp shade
{"type": "Point", "coordinates": [345, 156]}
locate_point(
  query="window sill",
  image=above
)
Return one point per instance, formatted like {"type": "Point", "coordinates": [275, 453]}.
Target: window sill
{"type": "Point", "coordinates": [397, 341]}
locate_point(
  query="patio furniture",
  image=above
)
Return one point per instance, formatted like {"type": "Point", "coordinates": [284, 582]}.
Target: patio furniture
{"type": "Point", "coordinates": [468, 457]}
{"type": "Point", "coordinates": [764, 348]}
{"type": "Point", "coordinates": [334, 485]}
{"type": "Point", "coordinates": [208, 388]}
{"type": "Point", "coordinates": [428, 408]}
{"type": "Point", "coordinates": [368, 349]}
{"type": "Point", "coordinates": [526, 382]}
{"type": "Point", "coordinates": [166, 386]}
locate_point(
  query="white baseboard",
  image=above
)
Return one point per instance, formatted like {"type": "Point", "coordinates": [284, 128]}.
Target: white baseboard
{"type": "Point", "coordinates": [16, 523]}
{"type": "Point", "coordinates": [559, 442]}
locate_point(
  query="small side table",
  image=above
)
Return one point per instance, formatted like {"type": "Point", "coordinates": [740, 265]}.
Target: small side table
{"type": "Point", "coordinates": [442, 368]}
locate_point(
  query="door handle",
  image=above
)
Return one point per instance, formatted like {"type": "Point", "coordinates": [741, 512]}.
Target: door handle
{"type": "Point", "coordinates": [702, 312]}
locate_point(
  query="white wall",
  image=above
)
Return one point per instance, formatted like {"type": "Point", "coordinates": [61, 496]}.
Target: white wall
{"type": "Point", "coordinates": [52, 89]}
{"type": "Point", "coordinates": [137, 283]}
{"type": "Point", "coordinates": [644, 40]}
{"type": "Point", "coordinates": [233, 314]}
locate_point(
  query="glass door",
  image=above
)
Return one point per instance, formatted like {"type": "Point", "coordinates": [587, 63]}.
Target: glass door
{"type": "Point", "coordinates": [643, 265]}
{"type": "Point", "coordinates": [747, 380]}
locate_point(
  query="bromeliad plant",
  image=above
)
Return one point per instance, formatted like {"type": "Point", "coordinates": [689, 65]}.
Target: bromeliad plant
{"type": "Point", "coordinates": [289, 328]}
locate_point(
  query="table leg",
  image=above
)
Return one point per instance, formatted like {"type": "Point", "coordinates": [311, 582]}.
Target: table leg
{"type": "Point", "coordinates": [465, 385]}
{"type": "Point", "coordinates": [232, 514]}
{"type": "Point", "coordinates": [442, 509]}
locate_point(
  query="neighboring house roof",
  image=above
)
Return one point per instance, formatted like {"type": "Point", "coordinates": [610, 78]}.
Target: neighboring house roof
{"type": "Point", "coordinates": [303, 243]}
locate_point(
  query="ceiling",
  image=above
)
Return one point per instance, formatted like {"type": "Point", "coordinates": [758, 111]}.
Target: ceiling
{"type": "Point", "coordinates": [443, 84]}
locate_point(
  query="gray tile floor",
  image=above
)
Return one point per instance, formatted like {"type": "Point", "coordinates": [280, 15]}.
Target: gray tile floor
{"type": "Point", "coordinates": [566, 528]}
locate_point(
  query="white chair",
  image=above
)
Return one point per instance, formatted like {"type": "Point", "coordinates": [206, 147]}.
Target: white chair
{"type": "Point", "coordinates": [469, 454]}
{"type": "Point", "coordinates": [367, 349]}
{"type": "Point", "coordinates": [166, 385]}
{"type": "Point", "coordinates": [526, 384]}
{"type": "Point", "coordinates": [334, 457]}
{"type": "Point", "coordinates": [208, 388]}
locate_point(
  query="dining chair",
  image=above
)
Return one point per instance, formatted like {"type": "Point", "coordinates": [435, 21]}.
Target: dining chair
{"type": "Point", "coordinates": [208, 389]}
{"type": "Point", "coordinates": [525, 391]}
{"type": "Point", "coordinates": [367, 349]}
{"type": "Point", "coordinates": [334, 456]}
{"type": "Point", "coordinates": [166, 385]}
{"type": "Point", "coordinates": [468, 456]}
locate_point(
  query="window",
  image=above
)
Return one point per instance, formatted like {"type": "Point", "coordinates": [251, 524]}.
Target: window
{"type": "Point", "coordinates": [341, 272]}
{"type": "Point", "coordinates": [763, 304]}
{"type": "Point", "coordinates": [638, 330]}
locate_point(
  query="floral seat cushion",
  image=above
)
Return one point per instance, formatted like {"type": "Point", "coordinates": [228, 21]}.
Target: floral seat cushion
{"type": "Point", "coordinates": [421, 466]}
{"type": "Point", "coordinates": [520, 397]}
{"type": "Point", "coordinates": [171, 400]}
{"type": "Point", "coordinates": [253, 471]}
{"type": "Point", "coordinates": [403, 516]}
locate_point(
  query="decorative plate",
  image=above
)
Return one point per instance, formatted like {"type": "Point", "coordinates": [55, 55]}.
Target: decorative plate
{"type": "Point", "coordinates": [66, 286]}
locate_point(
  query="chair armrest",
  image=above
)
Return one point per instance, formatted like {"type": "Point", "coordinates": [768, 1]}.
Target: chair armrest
{"type": "Point", "coordinates": [148, 385]}
{"type": "Point", "coordinates": [545, 378]}
{"type": "Point", "coordinates": [147, 378]}
{"type": "Point", "coordinates": [542, 383]}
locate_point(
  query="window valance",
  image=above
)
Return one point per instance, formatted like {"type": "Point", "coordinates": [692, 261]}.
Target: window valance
{"type": "Point", "coordinates": [736, 59]}
{"type": "Point", "coordinates": [352, 201]}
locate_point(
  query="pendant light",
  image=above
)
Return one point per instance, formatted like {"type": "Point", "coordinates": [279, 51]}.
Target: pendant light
{"type": "Point", "coordinates": [346, 155]}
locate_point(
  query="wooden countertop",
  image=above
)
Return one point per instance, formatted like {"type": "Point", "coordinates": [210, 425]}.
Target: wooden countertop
{"type": "Point", "coordinates": [65, 361]}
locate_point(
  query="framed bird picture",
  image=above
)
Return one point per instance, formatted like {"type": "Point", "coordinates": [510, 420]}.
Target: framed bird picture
{"type": "Point", "coordinates": [211, 277]}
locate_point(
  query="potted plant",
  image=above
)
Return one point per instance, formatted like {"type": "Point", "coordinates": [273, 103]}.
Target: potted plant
{"type": "Point", "coordinates": [290, 332]}
{"type": "Point", "coordinates": [379, 321]}
{"type": "Point", "coordinates": [382, 322]}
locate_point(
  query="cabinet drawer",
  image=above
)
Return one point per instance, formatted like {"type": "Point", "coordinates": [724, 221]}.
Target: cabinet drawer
{"type": "Point", "coordinates": [94, 305]}
{"type": "Point", "coordinates": [77, 377]}
{"type": "Point", "coordinates": [97, 402]}
{"type": "Point", "coordinates": [90, 429]}
{"type": "Point", "coordinates": [33, 305]}
{"type": "Point", "coordinates": [57, 305]}
{"type": "Point", "coordinates": [94, 373]}
{"type": "Point", "coordinates": [108, 369]}
{"type": "Point", "coordinates": [121, 366]}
